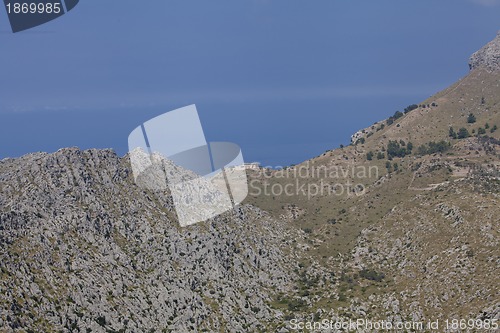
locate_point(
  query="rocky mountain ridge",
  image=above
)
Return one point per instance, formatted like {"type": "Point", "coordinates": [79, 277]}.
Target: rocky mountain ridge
{"type": "Point", "coordinates": [487, 57]}
{"type": "Point", "coordinates": [83, 249]}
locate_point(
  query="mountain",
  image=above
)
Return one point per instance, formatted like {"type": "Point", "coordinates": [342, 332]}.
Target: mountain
{"type": "Point", "coordinates": [406, 216]}
{"type": "Point", "coordinates": [402, 225]}
{"type": "Point", "coordinates": [488, 57]}
{"type": "Point", "coordinates": [84, 249]}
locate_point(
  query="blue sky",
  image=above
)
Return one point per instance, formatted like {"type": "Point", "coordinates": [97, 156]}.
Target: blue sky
{"type": "Point", "coordinates": [285, 79]}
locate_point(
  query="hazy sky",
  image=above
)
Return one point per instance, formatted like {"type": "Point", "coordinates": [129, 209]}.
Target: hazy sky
{"type": "Point", "coordinates": [285, 79]}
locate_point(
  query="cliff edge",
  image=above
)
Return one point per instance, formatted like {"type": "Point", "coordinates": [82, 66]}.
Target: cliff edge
{"type": "Point", "coordinates": [487, 57]}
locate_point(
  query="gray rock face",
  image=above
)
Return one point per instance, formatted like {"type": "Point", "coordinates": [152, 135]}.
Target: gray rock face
{"type": "Point", "coordinates": [82, 248]}
{"type": "Point", "coordinates": [487, 57]}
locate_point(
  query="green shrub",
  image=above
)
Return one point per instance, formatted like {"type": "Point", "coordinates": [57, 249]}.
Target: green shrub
{"type": "Point", "coordinates": [412, 107]}
{"type": "Point", "coordinates": [397, 115]}
{"type": "Point", "coordinates": [471, 118]}
{"type": "Point", "coordinates": [371, 275]}
{"type": "Point", "coordinates": [463, 133]}
{"type": "Point", "coordinates": [434, 147]}
{"type": "Point", "coordinates": [394, 149]}
{"type": "Point", "coordinates": [296, 304]}
{"type": "Point", "coordinates": [360, 141]}
{"type": "Point", "coordinates": [101, 320]}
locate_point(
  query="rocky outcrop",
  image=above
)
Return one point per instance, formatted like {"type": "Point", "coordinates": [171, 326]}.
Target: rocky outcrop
{"type": "Point", "coordinates": [83, 249]}
{"type": "Point", "coordinates": [443, 257]}
{"type": "Point", "coordinates": [487, 57]}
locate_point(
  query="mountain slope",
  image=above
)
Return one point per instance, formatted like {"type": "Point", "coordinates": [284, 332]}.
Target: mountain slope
{"type": "Point", "coordinates": [83, 248]}
{"type": "Point", "coordinates": [420, 240]}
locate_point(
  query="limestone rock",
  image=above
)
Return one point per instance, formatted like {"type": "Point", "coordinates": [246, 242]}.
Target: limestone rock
{"type": "Point", "coordinates": [487, 57]}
